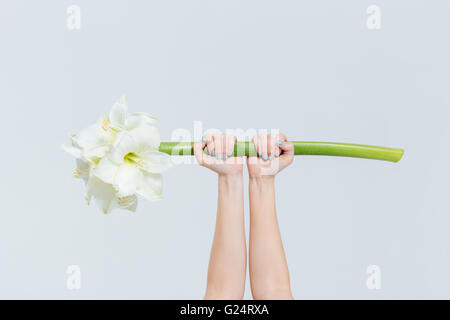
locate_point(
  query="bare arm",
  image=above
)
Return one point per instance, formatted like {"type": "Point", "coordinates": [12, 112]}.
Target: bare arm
{"type": "Point", "coordinates": [269, 274]}
{"type": "Point", "coordinates": [227, 264]}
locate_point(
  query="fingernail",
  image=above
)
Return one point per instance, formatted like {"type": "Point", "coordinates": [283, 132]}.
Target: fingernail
{"type": "Point", "coordinates": [277, 153]}
{"type": "Point", "coordinates": [203, 139]}
{"type": "Point", "coordinates": [229, 154]}
{"type": "Point", "coordinates": [271, 157]}
{"type": "Point", "coordinates": [224, 157]}
{"type": "Point", "coordinates": [213, 153]}
{"type": "Point", "coordinates": [218, 157]}
{"type": "Point", "coordinates": [265, 157]}
{"type": "Point", "coordinates": [281, 142]}
{"type": "Point", "coordinates": [206, 149]}
{"type": "Point", "coordinates": [259, 153]}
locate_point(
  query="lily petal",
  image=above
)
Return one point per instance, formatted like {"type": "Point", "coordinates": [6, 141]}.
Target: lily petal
{"type": "Point", "coordinates": [155, 161]}
{"type": "Point", "coordinates": [94, 140]}
{"type": "Point", "coordinates": [118, 113]}
{"type": "Point", "coordinates": [95, 154]}
{"type": "Point", "coordinates": [138, 119]}
{"type": "Point", "coordinates": [104, 193]}
{"type": "Point", "coordinates": [106, 170]}
{"type": "Point", "coordinates": [73, 151]}
{"type": "Point", "coordinates": [84, 169]}
{"type": "Point", "coordinates": [145, 137]}
{"type": "Point", "coordinates": [151, 188]}
{"type": "Point", "coordinates": [127, 179]}
{"type": "Point", "coordinates": [132, 207]}
{"type": "Point", "coordinates": [128, 203]}
{"type": "Point", "coordinates": [124, 145]}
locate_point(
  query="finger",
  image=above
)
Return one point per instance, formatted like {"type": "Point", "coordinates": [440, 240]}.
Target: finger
{"type": "Point", "coordinates": [254, 158]}
{"type": "Point", "coordinates": [282, 137]}
{"type": "Point", "coordinates": [224, 146]}
{"type": "Point", "coordinates": [281, 140]}
{"type": "Point", "coordinates": [287, 155]}
{"type": "Point", "coordinates": [230, 141]}
{"type": "Point", "coordinates": [286, 147]}
{"type": "Point", "coordinates": [262, 139]}
{"type": "Point", "coordinates": [198, 152]}
{"type": "Point", "coordinates": [277, 149]}
{"type": "Point", "coordinates": [218, 141]}
{"type": "Point", "coordinates": [277, 138]}
{"type": "Point", "coordinates": [256, 144]}
{"type": "Point", "coordinates": [272, 146]}
{"type": "Point", "coordinates": [210, 145]}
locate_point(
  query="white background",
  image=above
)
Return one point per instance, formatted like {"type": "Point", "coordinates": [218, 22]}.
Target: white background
{"type": "Point", "coordinates": [310, 68]}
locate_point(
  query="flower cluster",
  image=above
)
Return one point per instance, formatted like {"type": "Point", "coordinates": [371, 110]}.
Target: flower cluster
{"type": "Point", "coordinates": [118, 159]}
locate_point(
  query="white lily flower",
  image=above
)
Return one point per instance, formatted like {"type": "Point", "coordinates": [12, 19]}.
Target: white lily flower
{"type": "Point", "coordinates": [95, 141]}
{"type": "Point", "coordinates": [117, 157]}
{"type": "Point", "coordinates": [105, 194]}
{"type": "Point", "coordinates": [134, 164]}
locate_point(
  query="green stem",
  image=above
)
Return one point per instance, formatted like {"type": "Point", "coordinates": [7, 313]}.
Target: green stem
{"type": "Point", "coordinates": [300, 148]}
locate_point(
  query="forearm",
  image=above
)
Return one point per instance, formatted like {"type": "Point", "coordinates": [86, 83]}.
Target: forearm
{"type": "Point", "coordinates": [227, 266]}
{"type": "Point", "coordinates": [269, 275]}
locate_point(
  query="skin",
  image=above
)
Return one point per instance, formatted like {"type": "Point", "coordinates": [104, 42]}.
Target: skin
{"type": "Point", "coordinates": [269, 275]}
{"type": "Point", "coordinates": [228, 259]}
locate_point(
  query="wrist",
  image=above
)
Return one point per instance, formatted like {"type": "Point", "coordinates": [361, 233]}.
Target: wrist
{"type": "Point", "coordinates": [262, 179]}
{"type": "Point", "coordinates": [261, 184]}
{"type": "Point", "coordinates": [230, 185]}
{"type": "Point", "coordinates": [261, 188]}
{"type": "Point", "coordinates": [231, 177]}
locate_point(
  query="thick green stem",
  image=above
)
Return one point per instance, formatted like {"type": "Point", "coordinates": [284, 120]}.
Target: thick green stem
{"type": "Point", "coordinates": [301, 148]}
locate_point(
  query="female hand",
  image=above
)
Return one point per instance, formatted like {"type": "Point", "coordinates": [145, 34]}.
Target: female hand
{"type": "Point", "coordinates": [274, 154]}
{"type": "Point", "coordinates": [218, 157]}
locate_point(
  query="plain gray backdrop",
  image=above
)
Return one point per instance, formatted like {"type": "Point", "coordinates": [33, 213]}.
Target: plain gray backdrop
{"type": "Point", "coordinates": [310, 68]}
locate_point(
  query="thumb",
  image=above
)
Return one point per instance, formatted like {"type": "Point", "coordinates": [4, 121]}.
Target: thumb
{"type": "Point", "coordinates": [287, 157]}
{"type": "Point", "coordinates": [287, 147]}
{"type": "Point", "coordinates": [198, 151]}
